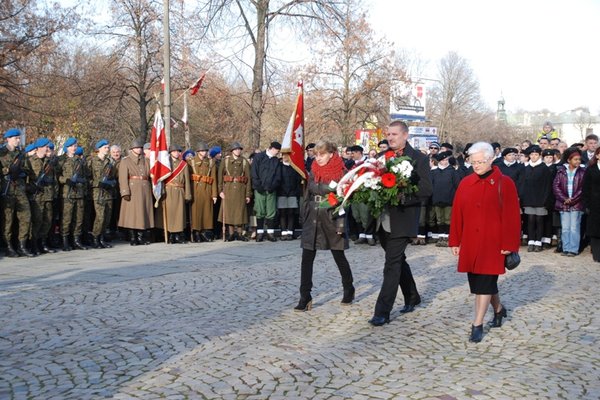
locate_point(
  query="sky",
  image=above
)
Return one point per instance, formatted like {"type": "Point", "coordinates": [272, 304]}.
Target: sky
{"type": "Point", "coordinates": [537, 54]}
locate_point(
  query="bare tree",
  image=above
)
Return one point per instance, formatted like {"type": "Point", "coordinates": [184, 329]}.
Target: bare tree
{"type": "Point", "coordinates": [250, 24]}
{"type": "Point", "coordinates": [583, 121]}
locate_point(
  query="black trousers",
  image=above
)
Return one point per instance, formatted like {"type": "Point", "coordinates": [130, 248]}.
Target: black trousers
{"type": "Point", "coordinates": [396, 272]}
{"type": "Point", "coordinates": [306, 272]}
{"type": "Point", "coordinates": [595, 245]}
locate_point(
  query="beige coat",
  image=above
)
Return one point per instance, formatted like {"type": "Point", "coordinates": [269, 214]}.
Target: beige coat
{"type": "Point", "coordinates": [134, 181]}
{"type": "Point", "coordinates": [203, 172]}
{"type": "Point", "coordinates": [236, 191]}
{"type": "Point", "coordinates": [176, 193]}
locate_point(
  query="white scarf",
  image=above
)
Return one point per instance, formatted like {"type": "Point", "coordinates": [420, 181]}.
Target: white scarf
{"type": "Point", "coordinates": [508, 164]}
{"type": "Point", "coordinates": [535, 164]}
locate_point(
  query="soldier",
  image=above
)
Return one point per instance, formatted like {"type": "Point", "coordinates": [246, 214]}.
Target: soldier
{"type": "Point", "coordinates": [16, 170]}
{"type": "Point", "coordinates": [42, 206]}
{"type": "Point", "coordinates": [103, 180]}
{"type": "Point", "coordinates": [112, 230]}
{"type": "Point", "coordinates": [265, 181]}
{"type": "Point", "coordinates": [204, 181]}
{"type": "Point", "coordinates": [136, 194]}
{"type": "Point", "coordinates": [177, 193]}
{"type": "Point", "coordinates": [235, 190]}
{"type": "Point", "coordinates": [72, 178]}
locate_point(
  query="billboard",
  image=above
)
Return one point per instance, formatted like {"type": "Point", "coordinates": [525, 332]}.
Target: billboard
{"type": "Point", "coordinates": [420, 137]}
{"type": "Point", "coordinates": [368, 138]}
{"type": "Point", "coordinates": [407, 101]}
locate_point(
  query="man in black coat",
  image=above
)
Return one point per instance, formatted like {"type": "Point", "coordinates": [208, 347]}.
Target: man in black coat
{"type": "Point", "coordinates": [265, 180]}
{"type": "Point", "coordinates": [397, 225]}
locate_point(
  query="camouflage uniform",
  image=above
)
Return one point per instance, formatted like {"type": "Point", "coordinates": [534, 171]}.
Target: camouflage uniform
{"type": "Point", "coordinates": [16, 172]}
{"type": "Point", "coordinates": [42, 206]}
{"type": "Point", "coordinates": [72, 177]}
{"type": "Point", "coordinates": [103, 179]}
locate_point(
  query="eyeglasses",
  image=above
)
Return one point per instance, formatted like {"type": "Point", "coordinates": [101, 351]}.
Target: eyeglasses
{"type": "Point", "coordinates": [434, 148]}
{"type": "Point", "coordinates": [479, 162]}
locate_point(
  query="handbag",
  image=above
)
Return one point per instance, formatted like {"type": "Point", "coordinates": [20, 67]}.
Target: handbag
{"type": "Point", "coordinates": [512, 259]}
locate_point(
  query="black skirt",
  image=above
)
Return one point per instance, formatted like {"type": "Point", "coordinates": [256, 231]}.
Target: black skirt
{"type": "Point", "coordinates": [483, 284]}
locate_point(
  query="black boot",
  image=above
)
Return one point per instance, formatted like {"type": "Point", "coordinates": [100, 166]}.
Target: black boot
{"type": "Point", "coordinates": [10, 252]}
{"type": "Point", "coordinates": [66, 244]}
{"type": "Point", "coordinates": [497, 321]}
{"type": "Point", "coordinates": [170, 238]}
{"type": "Point", "coordinates": [177, 238]}
{"type": "Point", "coordinates": [476, 333]}
{"type": "Point", "coordinates": [77, 243]}
{"type": "Point", "coordinates": [348, 295]}
{"type": "Point", "coordinates": [22, 249]}
{"type": "Point", "coordinates": [305, 304]}
{"type": "Point", "coordinates": [35, 250]}
{"type": "Point", "coordinates": [141, 239]}
{"type": "Point", "coordinates": [96, 242]}
{"type": "Point", "coordinates": [207, 236]}
{"type": "Point", "coordinates": [45, 248]}
{"type": "Point", "coordinates": [103, 242]}
{"type": "Point", "coordinates": [132, 238]}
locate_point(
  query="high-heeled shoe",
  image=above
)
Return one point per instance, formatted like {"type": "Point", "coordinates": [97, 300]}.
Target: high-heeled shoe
{"type": "Point", "coordinates": [305, 304]}
{"type": "Point", "coordinates": [476, 333]}
{"type": "Point", "coordinates": [497, 321]}
{"type": "Point", "coordinates": [348, 296]}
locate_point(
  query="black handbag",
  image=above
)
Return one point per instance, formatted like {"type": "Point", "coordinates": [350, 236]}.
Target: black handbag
{"type": "Point", "coordinates": [512, 261]}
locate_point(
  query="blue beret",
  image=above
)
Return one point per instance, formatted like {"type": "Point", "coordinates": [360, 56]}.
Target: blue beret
{"type": "Point", "coordinates": [214, 151]}
{"type": "Point", "coordinates": [102, 142]}
{"type": "Point", "coordinates": [70, 142]}
{"type": "Point", "coordinates": [41, 142]}
{"type": "Point", "coordinates": [187, 153]}
{"type": "Point", "coordinates": [51, 146]}
{"type": "Point", "coordinates": [79, 151]}
{"type": "Point", "coordinates": [12, 132]}
{"type": "Point", "coordinates": [29, 147]}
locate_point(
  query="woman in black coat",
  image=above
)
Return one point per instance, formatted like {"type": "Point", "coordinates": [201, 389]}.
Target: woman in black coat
{"type": "Point", "coordinates": [591, 201]}
{"type": "Point", "coordinates": [322, 228]}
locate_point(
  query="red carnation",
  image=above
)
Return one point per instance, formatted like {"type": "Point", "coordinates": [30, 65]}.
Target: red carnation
{"type": "Point", "coordinates": [389, 154]}
{"type": "Point", "coordinates": [332, 199]}
{"type": "Point", "coordinates": [388, 180]}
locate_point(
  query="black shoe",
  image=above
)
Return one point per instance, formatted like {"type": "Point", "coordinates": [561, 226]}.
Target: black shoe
{"type": "Point", "coordinates": [66, 244]}
{"type": "Point", "coordinates": [530, 248]}
{"type": "Point", "coordinates": [371, 242]}
{"type": "Point", "coordinates": [348, 295]}
{"type": "Point", "coordinates": [177, 239]}
{"type": "Point", "coordinates": [260, 237]}
{"type": "Point", "coordinates": [270, 237]}
{"type": "Point", "coordinates": [305, 304]}
{"type": "Point", "coordinates": [10, 252]}
{"type": "Point", "coordinates": [103, 243]}
{"type": "Point", "coordinates": [141, 239]}
{"type": "Point", "coordinates": [96, 242]}
{"type": "Point", "coordinates": [22, 250]}
{"type": "Point", "coordinates": [571, 254]}
{"type": "Point", "coordinates": [132, 238]}
{"type": "Point", "coordinates": [379, 321]}
{"type": "Point", "coordinates": [407, 308]}
{"type": "Point", "coordinates": [497, 321]}
{"type": "Point", "coordinates": [207, 236]}
{"type": "Point", "coordinates": [537, 249]}
{"type": "Point", "coordinates": [45, 248]}
{"type": "Point", "coordinates": [242, 238]}
{"type": "Point", "coordinates": [476, 333]}
{"type": "Point", "coordinates": [77, 243]}
{"type": "Point", "coordinates": [360, 240]}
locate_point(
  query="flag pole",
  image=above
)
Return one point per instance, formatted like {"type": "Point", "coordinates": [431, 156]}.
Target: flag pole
{"type": "Point", "coordinates": [164, 213]}
{"type": "Point", "coordinates": [167, 70]}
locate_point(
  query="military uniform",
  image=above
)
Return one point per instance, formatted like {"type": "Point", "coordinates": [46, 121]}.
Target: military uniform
{"type": "Point", "coordinates": [177, 192]}
{"type": "Point", "coordinates": [103, 179]}
{"type": "Point", "coordinates": [42, 204]}
{"type": "Point", "coordinates": [72, 177]}
{"type": "Point", "coordinates": [16, 173]}
{"type": "Point", "coordinates": [204, 181]}
{"type": "Point", "coordinates": [235, 184]}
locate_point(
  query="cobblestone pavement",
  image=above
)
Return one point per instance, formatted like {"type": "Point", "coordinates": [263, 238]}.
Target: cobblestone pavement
{"type": "Point", "coordinates": [215, 321]}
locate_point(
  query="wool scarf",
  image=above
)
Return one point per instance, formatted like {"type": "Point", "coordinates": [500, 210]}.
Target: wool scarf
{"type": "Point", "coordinates": [332, 171]}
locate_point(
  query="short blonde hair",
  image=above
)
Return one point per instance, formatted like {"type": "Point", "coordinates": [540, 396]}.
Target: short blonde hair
{"type": "Point", "coordinates": [323, 146]}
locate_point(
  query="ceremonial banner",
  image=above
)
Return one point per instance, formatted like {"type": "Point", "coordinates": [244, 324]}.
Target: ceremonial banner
{"type": "Point", "coordinates": [293, 140]}
{"type": "Point", "coordinates": [196, 86]}
{"type": "Point", "coordinates": [160, 167]}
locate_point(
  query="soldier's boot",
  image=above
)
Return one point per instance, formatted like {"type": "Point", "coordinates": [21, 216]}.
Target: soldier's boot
{"type": "Point", "coordinates": [45, 248]}
{"type": "Point", "coordinates": [132, 238]}
{"type": "Point", "coordinates": [66, 244]}
{"type": "Point", "coordinates": [35, 250]}
{"type": "Point", "coordinates": [10, 252]}
{"type": "Point", "coordinates": [141, 239]}
{"type": "Point", "coordinates": [103, 243]}
{"type": "Point", "coordinates": [96, 242]}
{"type": "Point", "coordinates": [177, 238]}
{"type": "Point", "coordinates": [22, 249]}
{"type": "Point", "coordinates": [77, 243]}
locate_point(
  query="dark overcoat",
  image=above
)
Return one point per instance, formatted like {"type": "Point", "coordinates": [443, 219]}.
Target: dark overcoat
{"type": "Point", "coordinates": [591, 199]}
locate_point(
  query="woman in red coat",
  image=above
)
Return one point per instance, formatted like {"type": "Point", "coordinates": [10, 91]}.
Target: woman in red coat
{"type": "Point", "coordinates": [485, 226]}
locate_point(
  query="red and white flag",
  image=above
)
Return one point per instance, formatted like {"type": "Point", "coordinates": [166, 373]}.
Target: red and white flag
{"type": "Point", "coordinates": [162, 84]}
{"type": "Point", "coordinates": [160, 166]}
{"type": "Point", "coordinates": [196, 86]}
{"type": "Point", "coordinates": [293, 140]}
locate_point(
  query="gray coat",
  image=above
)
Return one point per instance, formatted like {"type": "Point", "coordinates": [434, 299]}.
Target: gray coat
{"type": "Point", "coordinates": [319, 225]}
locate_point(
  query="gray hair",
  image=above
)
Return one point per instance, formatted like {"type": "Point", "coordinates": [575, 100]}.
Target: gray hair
{"type": "Point", "coordinates": [115, 147]}
{"type": "Point", "coordinates": [482, 147]}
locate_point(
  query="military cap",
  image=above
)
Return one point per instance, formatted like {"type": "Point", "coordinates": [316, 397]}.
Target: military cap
{"type": "Point", "coordinates": [236, 145]}
{"type": "Point", "coordinates": [443, 155]}
{"type": "Point", "coordinates": [101, 142]}
{"type": "Point", "coordinates": [175, 147]}
{"type": "Point", "coordinates": [30, 147]}
{"type": "Point", "coordinates": [467, 147]}
{"type": "Point", "coordinates": [214, 151]}
{"type": "Point", "coordinates": [12, 132]}
{"type": "Point", "coordinates": [447, 145]}
{"type": "Point", "coordinates": [187, 153]}
{"type": "Point", "coordinates": [310, 146]}
{"type": "Point", "coordinates": [275, 145]}
{"type": "Point", "coordinates": [201, 146]}
{"type": "Point", "coordinates": [509, 150]}
{"type": "Point", "coordinates": [137, 143]}
{"type": "Point", "coordinates": [79, 151]}
{"type": "Point", "coordinates": [533, 149]}
{"type": "Point", "coordinates": [69, 142]}
{"type": "Point", "coordinates": [41, 142]}
{"type": "Point", "coordinates": [548, 152]}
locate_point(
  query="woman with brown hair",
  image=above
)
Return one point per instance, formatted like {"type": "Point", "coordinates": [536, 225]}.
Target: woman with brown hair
{"type": "Point", "coordinates": [322, 229]}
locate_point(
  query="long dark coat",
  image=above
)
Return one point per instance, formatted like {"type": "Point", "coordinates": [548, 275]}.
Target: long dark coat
{"type": "Point", "coordinates": [591, 199]}
{"type": "Point", "coordinates": [204, 183]}
{"type": "Point", "coordinates": [319, 224]}
{"type": "Point", "coordinates": [486, 219]}
{"type": "Point", "coordinates": [134, 181]}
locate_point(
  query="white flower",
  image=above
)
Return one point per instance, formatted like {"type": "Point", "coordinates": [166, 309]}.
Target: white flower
{"type": "Point", "coordinates": [395, 169]}
{"type": "Point", "coordinates": [406, 168]}
{"type": "Point", "coordinates": [332, 185]}
{"type": "Point", "coordinates": [373, 183]}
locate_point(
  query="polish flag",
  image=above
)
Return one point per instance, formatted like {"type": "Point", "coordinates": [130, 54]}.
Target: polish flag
{"type": "Point", "coordinates": [196, 86]}
{"type": "Point", "coordinates": [293, 140]}
{"type": "Point", "coordinates": [160, 166]}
